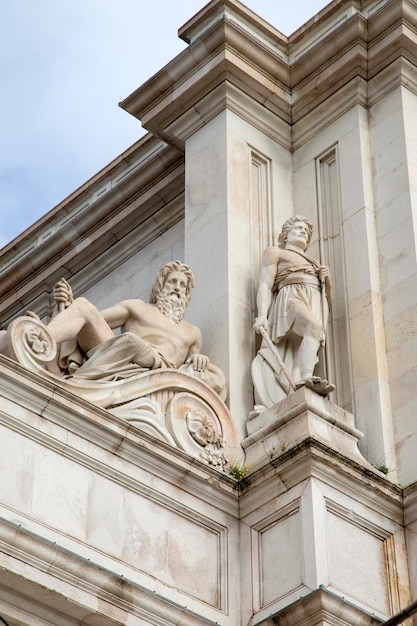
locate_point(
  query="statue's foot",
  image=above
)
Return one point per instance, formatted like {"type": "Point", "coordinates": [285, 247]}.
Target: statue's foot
{"type": "Point", "coordinates": [319, 385]}
{"type": "Point", "coordinates": [313, 380]}
{"type": "Point", "coordinates": [257, 410]}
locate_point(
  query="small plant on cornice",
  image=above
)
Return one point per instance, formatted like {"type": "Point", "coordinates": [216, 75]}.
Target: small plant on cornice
{"type": "Point", "coordinates": [380, 466]}
{"type": "Point", "coordinates": [238, 470]}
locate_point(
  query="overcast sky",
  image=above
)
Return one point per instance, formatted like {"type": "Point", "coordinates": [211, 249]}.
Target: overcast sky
{"type": "Point", "coordinates": [65, 65]}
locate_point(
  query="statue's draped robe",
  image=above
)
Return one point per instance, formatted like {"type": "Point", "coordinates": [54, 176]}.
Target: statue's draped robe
{"type": "Point", "coordinates": [120, 357]}
{"type": "Point", "coordinates": [296, 288]}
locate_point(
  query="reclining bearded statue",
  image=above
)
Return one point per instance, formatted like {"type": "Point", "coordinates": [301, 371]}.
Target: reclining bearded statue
{"type": "Point", "coordinates": [152, 335]}
{"type": "Point", "coordinates": [151, 373]}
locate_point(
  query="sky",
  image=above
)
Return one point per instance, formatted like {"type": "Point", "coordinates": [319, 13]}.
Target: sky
{"type": "Point", "coordinates": [64, 66]}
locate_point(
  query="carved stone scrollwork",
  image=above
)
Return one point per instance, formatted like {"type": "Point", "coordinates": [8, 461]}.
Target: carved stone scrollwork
{"type": "Point", "coordinates": [146, 414]}
{"type": "Point", "coordinates": [30, 343]}
{"type": "Point", "coordinates": [169, 404]}
{"type": "Point", "coordinates": [194, 419]}
{"type": "Point", "coordinates": [201, 429]}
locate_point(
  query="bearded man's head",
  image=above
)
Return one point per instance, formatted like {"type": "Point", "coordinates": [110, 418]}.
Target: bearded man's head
{"type": "Point", "coordinates": [172, 289]}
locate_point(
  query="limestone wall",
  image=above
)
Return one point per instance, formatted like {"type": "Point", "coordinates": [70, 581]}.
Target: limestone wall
{"type": "Point", "coordinates": [99, 521]}
{"type": "Point", "coordinates": [133, 278]}
{"type": "Point", "coordinates": [393, 124]}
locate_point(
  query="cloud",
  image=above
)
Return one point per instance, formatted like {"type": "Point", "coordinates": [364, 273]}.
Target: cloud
{"type": "Point", "coordinates": [66, 64]}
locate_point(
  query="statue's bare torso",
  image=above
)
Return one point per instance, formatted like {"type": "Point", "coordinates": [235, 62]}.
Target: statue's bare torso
{"type": "Point", "coordinates": [174, 341]}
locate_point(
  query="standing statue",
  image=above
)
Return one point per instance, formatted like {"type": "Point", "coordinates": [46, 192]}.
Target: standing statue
{"type": "Point", "coordinates": [293, 301]}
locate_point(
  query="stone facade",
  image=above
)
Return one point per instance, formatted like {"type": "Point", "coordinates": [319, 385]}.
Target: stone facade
{"type": "Point", "coordinates": [101, 523]}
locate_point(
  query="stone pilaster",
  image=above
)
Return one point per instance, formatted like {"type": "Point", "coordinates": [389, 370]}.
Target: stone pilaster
{"type": "Point", "coordinates": [321, 528]}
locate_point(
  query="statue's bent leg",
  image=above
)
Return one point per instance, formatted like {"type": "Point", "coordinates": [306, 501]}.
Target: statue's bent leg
{"type": "Point", "coordinates": [307, 356]}
{"type": "Point", "coordinates": [119, 357]}
{"type": "Point", "coordinates": [310, 329]}
{"type": "Point", "coordinates": [82, 320]}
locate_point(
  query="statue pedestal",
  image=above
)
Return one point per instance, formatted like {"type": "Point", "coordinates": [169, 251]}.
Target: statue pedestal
{"type": "Point", "coordinates": [301, 416]}
{"type": "Point", "coordinates": [323, 527]}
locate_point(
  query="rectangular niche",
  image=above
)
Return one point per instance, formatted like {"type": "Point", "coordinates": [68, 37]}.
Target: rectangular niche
{"type": "Point", "coordinates": [357, 559]}
{"type": "Point", "coordinates": [261, 221]}
{"type": "Point", "coordinates": [331, 245]}
{"type": "Point", "coordinates": [278, 556]}
{"type": "Point", "coordinates": [173, 544]}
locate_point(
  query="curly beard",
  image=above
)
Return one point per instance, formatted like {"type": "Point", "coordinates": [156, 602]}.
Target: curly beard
{"type": "Point", "coordinates": [171, 307]}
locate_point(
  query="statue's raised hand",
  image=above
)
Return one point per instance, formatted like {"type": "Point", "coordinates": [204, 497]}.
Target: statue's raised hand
{"type": "Point", "coordinates": [62, 293]}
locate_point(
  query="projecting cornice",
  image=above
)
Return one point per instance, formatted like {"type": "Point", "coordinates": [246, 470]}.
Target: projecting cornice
{"type": "Point", "coordinates": [106, 212]}
{"type": "Point", "coordinates": [235, 57]}
{"type": "Point", "coordinates": [229, 50]}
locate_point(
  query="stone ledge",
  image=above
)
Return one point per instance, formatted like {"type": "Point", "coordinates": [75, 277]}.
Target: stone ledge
{"type": "Point", "coordinates": [321, 607]}
{"type": "Point", "coordinates": [313, 459]}
{"type": "Point", "coordinates": [87, 434]}
{"type": "Point", "coordinates": [410, 504]}
{"type": "Point", "coordinates": [69, 585]}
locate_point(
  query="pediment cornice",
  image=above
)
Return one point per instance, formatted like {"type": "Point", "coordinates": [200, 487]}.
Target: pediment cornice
{"type": "Point", "coordinates": [105, 213]}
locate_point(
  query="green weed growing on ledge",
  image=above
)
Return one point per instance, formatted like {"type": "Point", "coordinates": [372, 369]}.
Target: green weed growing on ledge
{"type": "Point", "coordinates": [238, 470]}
